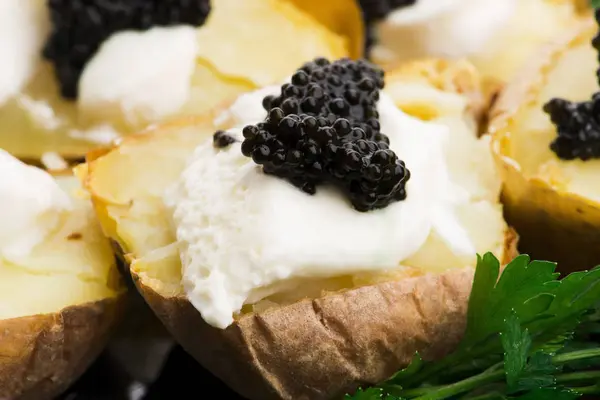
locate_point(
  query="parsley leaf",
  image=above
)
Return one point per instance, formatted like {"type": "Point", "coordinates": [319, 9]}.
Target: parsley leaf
{"type": "Point", "coordinates": [518, 340]}
{"type": "Point", "coordinates": [524, 372]}
{"type": "Point", "coordinates": [523, 287]}
{"type": "Point", "coordinates": [516, 344]}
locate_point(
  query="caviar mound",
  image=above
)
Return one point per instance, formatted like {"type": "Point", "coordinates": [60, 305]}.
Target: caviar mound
{"type": "Point", "coordinates": [324, 128]}
{"type": "Point", "coordinates": [79, 28]}
{"type": "Point", "coordinates": [578, 127]}
{"type": "Point", "coordinates": [344, 89]}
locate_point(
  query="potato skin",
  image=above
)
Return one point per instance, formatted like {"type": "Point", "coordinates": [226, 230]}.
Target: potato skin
{"type": "Point", "coordinates": [552, 224]}
{"type": "Point", "coordinates": [41, 355]}
{"type": "Point", "coordinates": [323, 348]}
{"type": "Point", "coordinates": [318, 349]}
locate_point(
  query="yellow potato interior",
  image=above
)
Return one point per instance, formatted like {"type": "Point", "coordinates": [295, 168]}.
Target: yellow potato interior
{"type": "Point", "coordinates": [74, 265]}
{"type": "Point", "coordinates": [243, 45]}
{"type": "Point", "coordinates": [132, 211]}
{"type": "Point", "coordinates": [572, 77]}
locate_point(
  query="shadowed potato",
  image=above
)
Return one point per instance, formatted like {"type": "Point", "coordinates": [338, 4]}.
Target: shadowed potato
{"type": "Point", "coordinates": [332, 334]}
{"type": "Point", "coordinates": [553, 204]}
{"type": "Point", "coordinates": [58, 306]}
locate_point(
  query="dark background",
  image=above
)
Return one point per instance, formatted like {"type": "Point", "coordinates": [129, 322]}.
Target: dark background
{"type": "Point", "coordinates": [180, 378]}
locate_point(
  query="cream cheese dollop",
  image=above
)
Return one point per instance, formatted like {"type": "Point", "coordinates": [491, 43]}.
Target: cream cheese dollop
{"type": "Point", "coordinates": [140, 76]}
{"type": "Point", "coordinates": [442, 28]}
{"type": "Point", "coordinates": [24, 25]}
{"type": "Point", "coordinates": [32, 207]}
{"type": "Point", "coordinates": [244, 235]}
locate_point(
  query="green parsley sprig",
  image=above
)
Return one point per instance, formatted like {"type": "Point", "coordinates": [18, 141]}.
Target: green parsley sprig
{"type": "Point", "coordinates": [529, 336]}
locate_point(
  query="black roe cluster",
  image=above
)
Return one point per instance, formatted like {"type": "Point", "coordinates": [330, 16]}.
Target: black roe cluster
{"type": "Point", "coordinates": [324, 127]}
{"type": "Point", "coordinates": [578, 126]}
{"type": "Point", "coordinates": [376, 10]}
{"type": "Point", "coordinates": [577, 123]}
{"type": "Point", "coordinates": [80, 26]}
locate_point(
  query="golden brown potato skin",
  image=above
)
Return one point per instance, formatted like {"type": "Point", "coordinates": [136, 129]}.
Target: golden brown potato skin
{"type": "Point", "coordinates": [41, 355]}
{"type": "Point", "coordinates": [323, 348]}
{"type": "Point", "coordinates": [553, 225]}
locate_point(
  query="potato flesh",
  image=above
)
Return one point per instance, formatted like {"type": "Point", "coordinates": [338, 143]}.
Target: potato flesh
{"type": "Point", "coordinates": [63, 270]}
{"type": "Point", "coordinates": [532, 131]}
{"type": "Point", "coordinates": [233, 59]}
{"type": "Point", "coordinates": [535, 23]}
{"type": "Point", "coordinates": [147, 165]}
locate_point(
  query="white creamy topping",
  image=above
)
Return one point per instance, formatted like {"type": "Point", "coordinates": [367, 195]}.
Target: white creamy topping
{"type": "Point", "coordinates": [445, 28]}
{"type": "Point", "coordinates": [32, 205]}
{"type": "Point", "coordinates": [24, 25]}
{"type": "Point", "coordinates": [53, 161]}
{"type": "Point", "coordinates": [244, 235]}
{"type": "Point", "coordinates": [140, 76]}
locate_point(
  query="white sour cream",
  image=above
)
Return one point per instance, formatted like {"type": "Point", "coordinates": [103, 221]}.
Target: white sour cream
{"type": "Point", "coordinates": [24, 26]}
{"type": "Point", "coordinates": [443, 28]}
{"type": "Point", "coordinates": [140, 76]}
{"type": "Point", "coordinates": [244, 235]}
{"type": "Point", "coordinates": [31, 207]}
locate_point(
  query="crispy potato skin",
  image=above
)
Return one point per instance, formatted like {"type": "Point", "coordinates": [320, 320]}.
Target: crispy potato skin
{"type": "Point", "coordinates": [41, 355]}
{"type": "Point", "coordinates": [552, 224]}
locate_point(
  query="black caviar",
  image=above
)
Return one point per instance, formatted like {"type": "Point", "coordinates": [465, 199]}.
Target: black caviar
{"type": "Point", "coordinates": [324, 127]}
{"type": "Point", "coordinates": [578, 126]}
{"type": "Point", "coordinates": [577, 123]}
{"type": "Point", "coordinates": [376, 10]}
{"type": "Point", "coordinates": [80, 26]}
{"type": "Point", "coordinates": [343, 89]}
{"type": "Point", "coordinates": [222, 139]}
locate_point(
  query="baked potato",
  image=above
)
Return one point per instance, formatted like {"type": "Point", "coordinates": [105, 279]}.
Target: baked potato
{"type": "Point", "coordinates": [507, 32]}
{"type": "Point", "coordinates": [58, 304]}
{"type": "Point", "coordinates": [241, 46]}
{"type": "Point", "coordinates": [331, 334]}
{"type": "Point", "coordinates": [553, 203]}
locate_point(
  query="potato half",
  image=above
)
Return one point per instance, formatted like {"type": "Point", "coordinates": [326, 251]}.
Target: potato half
{"type": "Point", "coordinates": [320, 343]}
{"type": "Point", "coordinates": [553, 205]}
{"type": "Point", "coordinates": [533, 23]}
{"type": "Point", "coordinates": [243, 45]}
{"type": "Point", "coordinates": [57, 307]}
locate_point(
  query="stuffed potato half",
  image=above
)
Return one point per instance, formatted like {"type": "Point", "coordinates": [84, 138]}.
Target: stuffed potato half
{"type": "Point", "coordinates": [552, 203]}
{"type": "Point", "coordinates": [508, 31]}
{"type": "Point", "coordinates": [137, 77]}
{"type": "Point", "coordinates": [332, 334]}
{"type": "Point", "coordinates": [58, 303]}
